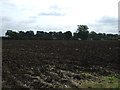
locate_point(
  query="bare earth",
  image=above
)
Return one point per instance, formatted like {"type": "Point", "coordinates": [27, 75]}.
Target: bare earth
{"type": "Point", "coordinates": [60, 64]}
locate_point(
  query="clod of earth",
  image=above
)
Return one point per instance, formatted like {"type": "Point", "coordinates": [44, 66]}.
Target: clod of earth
{"type": "Point", "coordinates": [38, 64]}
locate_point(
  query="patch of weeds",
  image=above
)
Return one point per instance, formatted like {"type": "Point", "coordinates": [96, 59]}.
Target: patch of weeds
{"type": "Point", "coordinates": [112, 79]}
{"type": "Point", "coordinates": [117, 86]}
{"type": "Point", "coordinates": [103, 82]}
{"type": "Point", "coordinates": [111, 82]}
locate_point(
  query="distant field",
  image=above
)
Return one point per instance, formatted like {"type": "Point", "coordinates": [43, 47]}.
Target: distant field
{"type": "Point", "coordinates": [60, 64]}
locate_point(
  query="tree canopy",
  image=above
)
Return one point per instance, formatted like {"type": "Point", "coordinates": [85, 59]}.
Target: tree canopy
{"type": "Point", "coordinates": [81, 33]}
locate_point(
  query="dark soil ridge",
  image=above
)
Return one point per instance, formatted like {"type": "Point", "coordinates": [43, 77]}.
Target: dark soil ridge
{"type": "Point", "coordinates": [60, 64]}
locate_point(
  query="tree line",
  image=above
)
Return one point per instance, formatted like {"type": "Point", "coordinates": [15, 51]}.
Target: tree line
{"type": "Point", "coordinates": [81, 33]}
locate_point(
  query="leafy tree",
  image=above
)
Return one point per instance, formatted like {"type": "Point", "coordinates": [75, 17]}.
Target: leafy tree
{"type": "Point", "coordinates": [40, 34]}
{"type": "Point", "coordinates": [29, 33]}
{"type": "Point", "coordinates": [68, 35]}
{"type": "Point", "coordinates": [60, 35]}
{"type": "Point", "coordinates": [110, 35]}
{"type": "Point", "coordinates": [21, 34]}
{"type": "Point", "coordinates": [50, 34]}
{"type": "Point", "coordinates": [11, 33]}
{"type": "Point", "coordinates": [54, 34]}
{"type": "Point", "coordinates": [82, 32]}
{"type": "Point", "coordinates": [92, 34]}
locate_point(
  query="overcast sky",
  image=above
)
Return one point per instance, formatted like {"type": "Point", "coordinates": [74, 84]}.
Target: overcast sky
{"type": "Point", "coordinates": [59, 15]}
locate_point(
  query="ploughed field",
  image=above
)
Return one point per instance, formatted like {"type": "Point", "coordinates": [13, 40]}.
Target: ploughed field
{"type": "Point", "coordinates": [60, 64]}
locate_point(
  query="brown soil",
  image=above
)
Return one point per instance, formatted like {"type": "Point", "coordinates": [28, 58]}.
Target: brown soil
{"type": "Point", "coordinates": [58, 64]}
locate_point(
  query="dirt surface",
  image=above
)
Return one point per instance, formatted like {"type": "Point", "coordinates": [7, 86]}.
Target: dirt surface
{"type": "Point", "coordinates": [60, 64]}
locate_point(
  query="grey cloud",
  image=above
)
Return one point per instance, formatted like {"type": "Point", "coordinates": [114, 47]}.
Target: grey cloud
{"type": "Point", "coordinates": [16, 26]}
{"type": "Point", "coordinates": [7, 24]}
{"type": "Point", "coordinates": [51, 14]}
{"type": "Point", "coordinates": [48, 27]}
{"type": "Point", "coordinates": [6, 19]}
{"type": "Point", "coordinates": [105, 24]}
{"type": "Point", "coordinates": [8, 4]}
{"type": "Point", "coordinates": [9, 7]}
{"type": "Point", "coordinates": [103, 29]}
{"type": "Point", "coordinates": [55, 27]}
{"type": "Point", "coordinates": [108, 20]}
{"type": "Point", "coordinates": [33, 17]}
{"type": "Point", "coordinates": [30, 21]}
{"type": "Point", "coordinates": [55, 7]}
